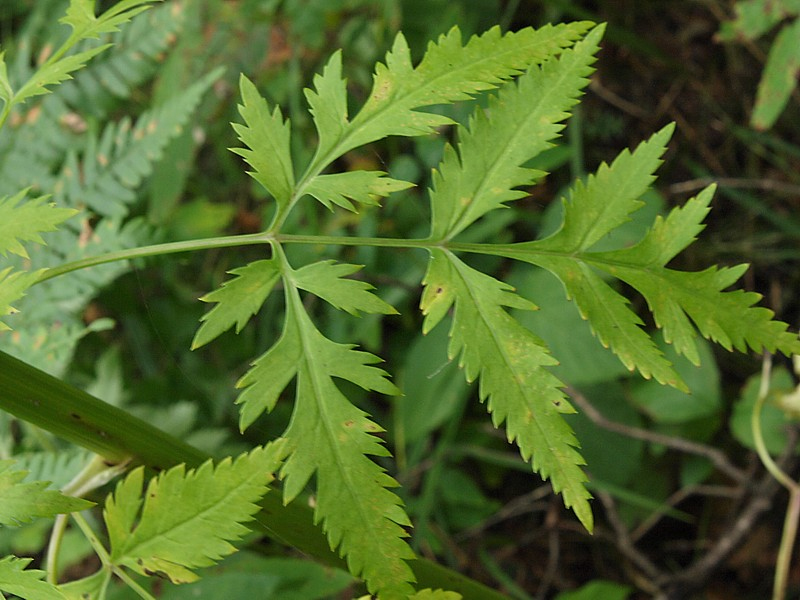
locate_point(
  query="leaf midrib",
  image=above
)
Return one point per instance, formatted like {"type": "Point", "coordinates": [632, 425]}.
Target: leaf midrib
{"type": "Point", "coordinates": [566, 478]}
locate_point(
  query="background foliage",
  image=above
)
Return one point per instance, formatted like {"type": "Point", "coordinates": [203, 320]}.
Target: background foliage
{"type": "Point", "coordinates": [123, 332]}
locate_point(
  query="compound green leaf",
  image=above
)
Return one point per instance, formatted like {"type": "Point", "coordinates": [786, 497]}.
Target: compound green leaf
{"type": "Point", "coordinates": [22, 502]}
{"type": "Point", "coordinates": [669, 236]}
{"type": "Point", "coordinates": [518, 125]}
{"type": "Point", "coordinates": [266, 137]}
{"type": "Point", "coordinates": [25, 222]}
{"type": "Point", "coordinates": [682, 303]}
{"type": "Point", "coordinates": [53, 73]}
{"type": "Point", "coordinates": [449, 71]}
{"type": "Point", "coordinates": [612, 321]}
{"type": "Point", "coordinates": [365, 187]}
{"type": "Point", "coordinates": [80, 16]}
{"type": "Point", "coordinates": [604, 202]}
{"type": "Point", "coordinates": [85, 25]}
{"type": "Point", "coordinates": [188, 519]}
{"type": "Point", "coordinates": [729, 318]}
{"type": "Point", "coordinates": [511, 364]}
{"type": "Point", "coordinates": [237, 300]}
{"type": "Point", "coordinates": [326, 279]}
{"type": "Point", "coordinates": [328, 102]}
{"type": "Point", "coordinates": [12, 288]}
{"type": "Point", "coordinates": [25, 584]}
{"type": "Point", "coordinates": [332, 439]}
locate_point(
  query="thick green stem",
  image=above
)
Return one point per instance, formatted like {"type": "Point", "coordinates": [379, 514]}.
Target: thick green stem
{"type": "Point", "coordinates": [78, 417]}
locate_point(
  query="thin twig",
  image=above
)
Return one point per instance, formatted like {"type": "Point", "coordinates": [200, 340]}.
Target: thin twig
{"type": "Point", "coordinates": [619, 102]}
{"type": "Point", "coordinates": [769, 185]}
{"type": "Point", "coordinates": [678, 586]}
{"type": "Point", "coordinates": [678, 497]}
{"type": "Point", "coordinates": [623, 540]}
{"type": "Point", "coordinates": [717, 458]}
{"type": "Point", "coordinates": [527, 503]}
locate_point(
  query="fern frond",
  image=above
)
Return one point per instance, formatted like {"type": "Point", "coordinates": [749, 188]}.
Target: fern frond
{"type": "Point", "coordinates": [518, 124]}
{"type": "Point", "coordinates": [188, 519]}
{"type": "Point", "coordinates": [115, 165]}
{"type": "Point", "coordinates": [58, 467]}
{"type": "Point", "coordinates": [510, 362]}
{"type": "Point", "coordinates": [137, 53]}
{"type": "Point", "coordinates": [31, 154]}
{"type": "Point", "coordinates": [15, 579]}
{"type": "Point", "coordinates": [331, 439]}
{"type": "Point", "coordinates": [106, 180]}
{"type": "Point", "coordinates": [22, 502]}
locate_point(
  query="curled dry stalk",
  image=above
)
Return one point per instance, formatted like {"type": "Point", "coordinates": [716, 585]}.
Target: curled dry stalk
{"type": "Point", "coordinates": [793, 510]}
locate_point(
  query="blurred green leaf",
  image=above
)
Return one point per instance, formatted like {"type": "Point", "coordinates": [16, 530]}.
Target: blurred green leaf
{"type": "Point", "coordinates": [433, 386]}
{"type": "Point", "coordinates": [27, 584]}
{"type": "Point", "coordinates": [248, 575]}
{"type": "Point", "coordinates": [756, 17]}
{"type": "Point", "coordinates": [461, 501]}
{"type": "Point", "coordinates": [199, 218]}
{"type": "Point", "coordinates": [22, 502]}
{"type": "Point", "coordinates": [773, 420]}
{"type": "Point", "coordinates": [779, 78]}
{"type": "Point", "coordinates": [666, 404]}
{"type": "Point", "coordinates": [598, 590]}
{"type": "Point", "coordinates": [610, 457]}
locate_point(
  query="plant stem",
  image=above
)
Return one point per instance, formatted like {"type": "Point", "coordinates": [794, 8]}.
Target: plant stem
{"type": "Point", "coordinates": [93, 540]}
{"type": "Point", "coordinates": [230, 241]}
{"type": "Point", "coordinates": [790, 523]}
{"type": "Point", "coordinates": [157, 250]}
{"type": "Point", "coordinates": [788, 538]}
{"type": "Point", "coordinates": [54, 547]}
{"type": "Point", "coordinates": [518, 251]}
{"type": "Point", "coordinates": [105, 558]}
